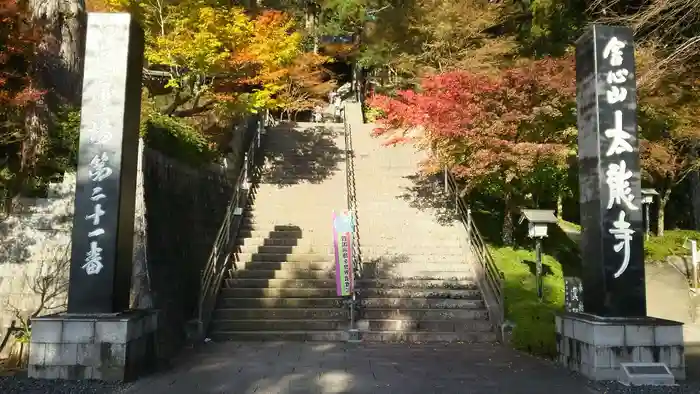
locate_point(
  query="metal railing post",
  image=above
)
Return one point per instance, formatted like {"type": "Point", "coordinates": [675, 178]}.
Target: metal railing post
{"type": "Point", "coordinates": [469, 224]}
{"type": "Point", "coordinates": [447, 186]}
{"type": "Point", "coordinates": [694, 261]}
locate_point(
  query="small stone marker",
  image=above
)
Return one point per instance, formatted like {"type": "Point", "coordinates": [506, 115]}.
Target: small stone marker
{"type": "Point", "coordinates": [103, 226]}
{"type": "Point", "coordinates": [612, 242]}
{"type": "Point", "coordinates": [646, 374]}
{"type": "Point", "coordinates": [573, 294]}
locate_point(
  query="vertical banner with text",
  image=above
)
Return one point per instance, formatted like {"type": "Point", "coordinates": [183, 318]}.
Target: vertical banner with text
{"type": "Point", "coordinates": [342, 248]}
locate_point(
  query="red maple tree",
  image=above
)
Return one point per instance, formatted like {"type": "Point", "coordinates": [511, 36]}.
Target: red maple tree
{"type": "Point", "coordinates": [17, 50]}
{"type": "Point", "coordinates": [17, 94]}
{"type": "Point", "coordinates": [493, 129]}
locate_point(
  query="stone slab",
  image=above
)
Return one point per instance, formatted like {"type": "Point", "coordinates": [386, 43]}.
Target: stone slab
{"type": "Point", "coordinates": [596, 346]}
{"type": "Point", "coordinates": [115, 347]}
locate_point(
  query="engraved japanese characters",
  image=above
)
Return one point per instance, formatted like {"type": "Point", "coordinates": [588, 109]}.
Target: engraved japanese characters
{"type": "Point", "coordinates": [617, 175]}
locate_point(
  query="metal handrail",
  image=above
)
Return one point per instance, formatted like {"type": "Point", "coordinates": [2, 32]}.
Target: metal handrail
{"type": "Point", "coordinates": [489, 277]}
{"type": "Point", "coordinates": [220, 257]}
{"type": "Point", "coordinates": [351, 196]}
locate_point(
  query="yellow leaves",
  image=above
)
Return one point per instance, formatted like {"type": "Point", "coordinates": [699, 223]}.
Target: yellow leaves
{"type": "Point", "coordinates": [244, 61]}
{"type": "Point", "coordinates": [203, 41]}
{"type": "Point", "coordinates": [272, 43]}
{"type": "Point", "coordinates": [107, 5]}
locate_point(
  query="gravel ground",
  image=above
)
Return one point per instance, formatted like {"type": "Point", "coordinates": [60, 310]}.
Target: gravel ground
{"type": "Point", "coordinates": [21, 385]}
{"type": "Point", "coordinates": [617, 388]}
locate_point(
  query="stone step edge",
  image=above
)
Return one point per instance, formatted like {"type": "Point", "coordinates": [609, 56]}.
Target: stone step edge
{"type": "Point", "coordinates": [341, 335]}
{"type": "Point", "coordinates": [374, 309]}
{"type": "Point", "coordinates": [359, 289]}
{"type": "Point", "coordinates": [346, 320]}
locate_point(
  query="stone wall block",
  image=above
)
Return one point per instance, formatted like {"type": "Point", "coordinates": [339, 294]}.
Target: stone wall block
{"type": "Point", "coordinates": [112, 332]}
{"type": "Point", "coordinates": [89, 354]}
{"type": "Point", "coordinates": [639, 335]}
{"type": "Point", "coordinates": [47, 331]}
{"type": "Point", "coordinates": [78, 331]}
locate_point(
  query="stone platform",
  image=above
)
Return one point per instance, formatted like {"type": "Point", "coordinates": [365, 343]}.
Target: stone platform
{"type": "Point", "coordinates": [113, 347]}
{"type": "Point", "coordinates": [595, 346]}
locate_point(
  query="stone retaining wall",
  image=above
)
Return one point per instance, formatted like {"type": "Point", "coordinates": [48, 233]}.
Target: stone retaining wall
{"type": "Point", "coordinates": [35, 240]}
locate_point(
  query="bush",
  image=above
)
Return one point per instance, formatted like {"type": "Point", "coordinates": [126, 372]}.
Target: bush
{"type": "Point", "coordinates": [534, 330]}
{"type": "Point", "coordinates": [60, 155]}
{"type": "Point", "coordinates": [372, 114]}
{"type": "Point", "coordinates": [671, 244]}
{"type": "Point", "coordinates": [174, 138]}
{"type": "Point", "coordinates": [63, 141]}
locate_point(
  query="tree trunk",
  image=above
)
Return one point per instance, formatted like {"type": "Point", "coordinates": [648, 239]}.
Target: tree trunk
{"type": "Point", "coordinates": [661, 214]}
{"type": "Point", "coordinates": [560, 206]}
{"type": "Point", "coordinates": [695, 190]}
{"type": "Point", "coordinates": [310, 24]}
{"type": "Point", "coordinates": [57, 69]}
{"type": "Point", "coordinates": [508, 225]}
{"type": "Point", "coordinates": [61, 50]}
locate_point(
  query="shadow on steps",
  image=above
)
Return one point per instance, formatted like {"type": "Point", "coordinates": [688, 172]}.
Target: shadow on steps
{"type": "Point", "coordinates": [301, 154]}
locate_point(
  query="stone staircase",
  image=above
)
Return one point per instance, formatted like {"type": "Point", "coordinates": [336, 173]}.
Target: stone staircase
{"type": "Point", "coordinates": [415, 286]}
{"type": "Point", "coordinates": [283, 282]}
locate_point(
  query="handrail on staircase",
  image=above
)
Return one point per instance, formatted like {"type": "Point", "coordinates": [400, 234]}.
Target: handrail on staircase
{"type": "Point", "coordinates": [353, 332]}
{"type": "Point", "coordinates": [489, 277]}
{"type": "Point", "coordinates": [220, 257]}
{"type": "Point", "coordinates": [351, 195]}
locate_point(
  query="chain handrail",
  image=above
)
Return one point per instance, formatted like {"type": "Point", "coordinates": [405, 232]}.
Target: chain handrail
{"type": "Point", "coordinates": [489, 277]}
{"type": "Point", "coordinates": [220, 257]}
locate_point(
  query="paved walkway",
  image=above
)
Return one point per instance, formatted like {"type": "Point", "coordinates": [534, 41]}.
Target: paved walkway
{"type": "Point", "coordinates": [324, 368]}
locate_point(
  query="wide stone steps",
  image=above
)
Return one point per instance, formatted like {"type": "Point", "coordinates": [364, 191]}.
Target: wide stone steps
{"type": "Point", "coordinates": [279, 335]}
{"type": "Point", "coordinates": [330, 325]}
{"type": "Point", "coordinates": [424, 314]}
{"type": "Point", "coordinates": [280, 324]}
{"type": "Point", "coordinates": [281, 313]}
{"type": "Point", "coordinates": [263, 292]}
{"type": "Point", "coordinates": [285, 249]}
{"type": "Point", "coordinates": [362, 284]}
{"type": "Point", "coordinates": [422, 303]}
{"type": "Point", "coordinates": [263, 240]}
{"type": "Point", "coordinates": [299, 292]}
{"type": "Point", "coordinates": [273, 270]}
{"type": "Point", "coordinates": [280, 283]}
{"type": "Point", "coordinates": [367, 269]}
{"type": "Point", "coordinates": [405, 325]}
{"type": "Point", "coordinates": [336, 302]}
{"type": "Point", "coordinates": [275, 257]}
{"type": "Point", "coordinates": [265, 234]}
{"type": "Point", "coordinates": [416, 284]}
{"type": "Point", "coordinates": [284, 265]}
{"type": "Point", "coordinates": [284, 274]}
{"type": "Point", "coordinates": [272, 302]}
{"type": "Point", "coordinates": [428, 336]}
{"type": "Point", "coordinates": [342, 335]}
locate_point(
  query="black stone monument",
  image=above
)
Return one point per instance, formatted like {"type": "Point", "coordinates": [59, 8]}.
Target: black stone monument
{"type": "Point", "coordinates": [99, 337]}
{"type": "Point", "coordinates": [613, 328]}
{"type": "Point", "coordinates": [103, 225]}
{"type": "Point", "coordinates": [609, 174]}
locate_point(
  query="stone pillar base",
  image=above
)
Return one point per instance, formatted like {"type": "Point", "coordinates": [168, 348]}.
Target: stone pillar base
{"type": "Point", "coordinates": [112, 347]}
{"type": "Point", "coordinates": [595, 346]}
